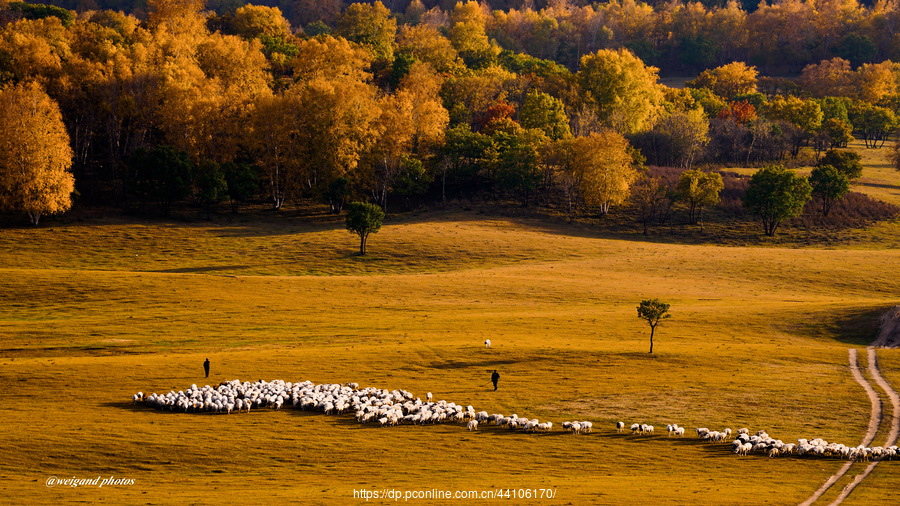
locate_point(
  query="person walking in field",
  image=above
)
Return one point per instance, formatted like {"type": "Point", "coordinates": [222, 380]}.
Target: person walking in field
{"type": "Point", "coordinates": [495, 377]}
{"type": "Point", "coordinates": [206, 367]}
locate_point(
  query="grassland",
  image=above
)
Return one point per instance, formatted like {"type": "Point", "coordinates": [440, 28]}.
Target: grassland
{"type": "Point", "coordinates": [91, 312]}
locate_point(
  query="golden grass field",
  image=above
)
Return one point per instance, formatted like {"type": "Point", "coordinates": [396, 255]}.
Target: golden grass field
{"type": "Point", "coordinates": [95, 311]}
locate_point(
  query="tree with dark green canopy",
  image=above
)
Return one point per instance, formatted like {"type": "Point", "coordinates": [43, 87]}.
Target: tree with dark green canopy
{"type": "Point", "coordinates": [210, 185]}
{"type": "Point", "coordinates": [653, 311]}
{"type": "Point", "coordinates": [847, 162]}
{"type": "Point", "coordinates": [830, 185]}
{"type": "Point", "coordinates": [337, 194]}
{"type": "Point", "coordinates": [776, 194]}
{"type": "Point", "coordinates": [363, 219]}
{"type": "Point", "coordinates": [242, 180]}
{"type": "Point", "coordinates": [41, 11]}
{"type": "Point", "coordinates": [162, 174]}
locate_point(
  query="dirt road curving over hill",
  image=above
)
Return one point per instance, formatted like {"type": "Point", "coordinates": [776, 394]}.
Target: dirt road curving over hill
{"type": "Point", "coordinates": [895, 425]}
{"type": "Point", "coordinates": [874, 421]}
{"type": "Point", "coordinates": [892, 395]}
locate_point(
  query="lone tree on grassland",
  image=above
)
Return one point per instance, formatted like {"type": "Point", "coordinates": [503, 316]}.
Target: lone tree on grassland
{"type": "Point", "coordinates": [654, 311]}
{"type": "Point", "coordinates": [363, 219]}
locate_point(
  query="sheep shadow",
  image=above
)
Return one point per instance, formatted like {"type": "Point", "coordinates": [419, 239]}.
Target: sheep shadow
{"type": "Point", "coordinates": [127, 406]}
{"type": "Point", "coordinates": [721, 449]}
{"type": "Point", "coordinates": [142, 407]}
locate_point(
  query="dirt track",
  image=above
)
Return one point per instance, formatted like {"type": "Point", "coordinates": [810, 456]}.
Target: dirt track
{"type": "Point", "coordinates": [875, 419]}
{"type": "Point", "coordinates": [895, 425]}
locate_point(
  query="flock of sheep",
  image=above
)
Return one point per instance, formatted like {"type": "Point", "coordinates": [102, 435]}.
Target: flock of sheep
{"type": "Point", "coordinates": [387, 408]}
{"type": "Point", "coordinates": [761, 442]}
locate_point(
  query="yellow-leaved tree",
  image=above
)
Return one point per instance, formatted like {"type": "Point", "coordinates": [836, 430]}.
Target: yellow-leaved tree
{"type": "Point", "coordinates": [327, 57]}
{"type": "Point", "coordinates": [207, 101]}
{"type": "Point", "coordinates": [314, 132]}
{"type": "Point", "coordinates": [36, 157]}
{"type": "Point", "coordinates": [412, 122]}
{"type": "Point", "coordinates": [625, 91]}
{"type": "Point", "coordinates": [828, 78]}
{"type": "Point", "coordinates": [728, 81]}
{"type": "Point", "coordinates": [427, 44]}
{"type": "Point", "coordinates": [603, 168]}
{"type": "Point", "coordinates": [183, 18]}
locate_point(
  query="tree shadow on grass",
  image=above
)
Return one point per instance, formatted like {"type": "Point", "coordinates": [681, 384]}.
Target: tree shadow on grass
{"type": "Point", "coordinates": [490, 364]}
{"type": "Point", "coordinates": [852, 326]}
{"type": "Point", "coordinates": [880, 185]}
{"type": "Point", "coordinates": [857, 328]}
{"type": "Point", "coordinates": [194, 270]}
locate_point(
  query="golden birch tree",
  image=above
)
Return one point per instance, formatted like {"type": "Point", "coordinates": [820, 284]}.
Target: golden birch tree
{"type": "Point", "coordinates": [603, 168]}
{"type": "Point", "coordinates": [34, 167]}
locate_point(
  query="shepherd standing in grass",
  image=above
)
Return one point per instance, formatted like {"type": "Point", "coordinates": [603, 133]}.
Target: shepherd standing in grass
{"type": "Point", "coordinates": [495, 377]}
{"type": "Point", "coordinates": [206, 367]}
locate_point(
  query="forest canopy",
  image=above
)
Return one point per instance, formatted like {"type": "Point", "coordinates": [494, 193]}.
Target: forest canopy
{"type": "Point", "coordinates": [411, 101]}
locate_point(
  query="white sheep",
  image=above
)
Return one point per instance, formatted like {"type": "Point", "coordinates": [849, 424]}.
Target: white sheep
{"type": "Point", "coordinates": [472, 425]}
{"type": "Point", "coordinates": [620, 426]}
{"type": "Point", "coordinates": [487, 343]}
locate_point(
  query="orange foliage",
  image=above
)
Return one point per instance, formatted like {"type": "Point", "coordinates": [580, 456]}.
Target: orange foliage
{"type": "Point", "coordinates": [742, 112]}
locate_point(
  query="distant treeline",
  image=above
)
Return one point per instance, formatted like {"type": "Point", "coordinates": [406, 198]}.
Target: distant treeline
{"type": "Point", "coordinates": [428, 106]}
{"type": "Point", "coordinates": [778, 37]}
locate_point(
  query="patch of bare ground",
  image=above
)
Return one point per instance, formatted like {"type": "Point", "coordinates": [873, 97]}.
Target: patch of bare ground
{"type": "Point", "coordinates": [889, 334]}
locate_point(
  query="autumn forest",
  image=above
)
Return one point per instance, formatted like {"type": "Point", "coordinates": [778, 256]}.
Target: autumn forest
{"type": "Point", "coordinates": [583, 107]}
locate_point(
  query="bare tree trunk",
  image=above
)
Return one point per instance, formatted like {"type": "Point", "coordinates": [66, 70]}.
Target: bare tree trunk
{"type": "Point", "coordinates": [652, 330]}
